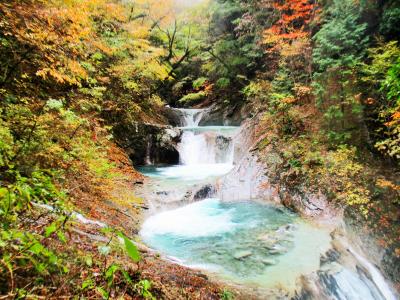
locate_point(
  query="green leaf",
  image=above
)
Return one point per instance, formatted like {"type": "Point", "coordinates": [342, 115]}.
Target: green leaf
{"type": "Point", "coordinates": [132, 250]}
{"type": "Point", "coordinates": [50, 229]}
{"type": "Point", "coordinates": [61, 236]}
{"type": "Point", "coordinates": [37, 248]}
{"type": "Point", "coordinates": [40, 267]}
{"type": "Point", "coordinates": [3, 192]}
{"type": "Point", "coordinates": [126, 276]}
{"type": "Point", "coordinates": [102, 292]}
{"type": "Point", "coordinates": [89, 261]}
{"type": "Point", "coordinates": [88, 283]}
{"type": "Point", "coordinates": [110, 273]}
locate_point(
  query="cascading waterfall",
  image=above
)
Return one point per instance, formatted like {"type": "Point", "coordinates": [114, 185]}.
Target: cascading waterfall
{"type": "Point", "coordinates": [203, 145]}
{"type": "Point", "coordinates": [205, 151]}
{"type": "Point", "coordinates": [190, 117]}
{"type": "Point", "coordinates": [376, 276]}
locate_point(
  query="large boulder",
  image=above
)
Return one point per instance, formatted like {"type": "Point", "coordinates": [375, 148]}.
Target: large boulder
{"type": "Point", "coordinates": [219, 114]}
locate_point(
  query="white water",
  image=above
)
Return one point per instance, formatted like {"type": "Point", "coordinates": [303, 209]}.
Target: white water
{"type": "Point", "coordinates": [376, 275]}
{"type": "Point", "coordinates": [204, 151]}
{"type": "Point", "coordinates": [207, 146]}
{"type": "Point", "coordinates": [191, 117]}
{"type": "Point", "coordinates": [209, 234]}
{"type": "Point", "coordinates": [351, 286]}
{"type": "Point", "coordinates": [198, 219]}
{"type": "Point", "coordinates": [188, 173]}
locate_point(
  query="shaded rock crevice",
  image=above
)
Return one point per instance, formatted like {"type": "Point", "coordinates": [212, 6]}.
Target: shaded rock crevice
{"type": "Point", "coordinates": [148, 143]}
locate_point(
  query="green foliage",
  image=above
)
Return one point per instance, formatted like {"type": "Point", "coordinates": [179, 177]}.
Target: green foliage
{"type": "Point", "coordinates": [193, 98]}
{"type": "Point", "coordinates": [131, 249]}
{"type": "Point", "coordinates": [20, 248]}
{"type": "Point", "coordinates": [199, 82]}
{"type": "Point", "coordinates": [339, 46]}
{"type": "Point", "coordinates": [6, 142]}
{"type": "Point", "coordinates": [382, 80]}
{"type": "Point", "coordinates": [342, 40]}
{"type": "Point", "coordinates": [389, 26]}
{"type": "Point", "coordinates": [227, 295]}
{"type": "Point", "coordinates": [223, 83]}
{"type": "Point", "coordinates": [144, 287]}
{"type": "Point", "coordinates": [252, 89]}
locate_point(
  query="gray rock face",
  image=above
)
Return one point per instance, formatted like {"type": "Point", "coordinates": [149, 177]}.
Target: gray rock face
{"type": "Point", "coordinates": [218, 115]}
{"type": "Point", "coordinates": [247, 180]}
{"type": "Point", "coordinates": [148, 143]}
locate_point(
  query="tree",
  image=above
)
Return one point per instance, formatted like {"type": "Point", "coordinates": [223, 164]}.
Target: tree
{"type": "Point", "coordinates": [339, 45]}
{"type": "Point", "coordinates": [293, 22]}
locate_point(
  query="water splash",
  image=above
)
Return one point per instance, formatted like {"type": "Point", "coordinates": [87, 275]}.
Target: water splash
{"type": "Point", "coordinates": [344, 284]}
{"type": "Point", "coordinates": [205, 148]}
{"type": "Point", "coordinates": [376, 276]}
{"type": "Point", "coordinates": [203, 145]}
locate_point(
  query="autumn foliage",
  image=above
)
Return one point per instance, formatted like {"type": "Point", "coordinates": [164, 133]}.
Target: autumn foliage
{"type": "Point", "coordinates": [294, 18]}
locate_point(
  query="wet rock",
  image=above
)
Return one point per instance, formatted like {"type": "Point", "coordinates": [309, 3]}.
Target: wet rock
{"type": "Point", "coordinates": [223, 115]}
{"type": "Point", "coordinates": [163, 193]}
{"type": "Point", "coordinates": [268, 262]}
{"type": "Point", "coordinates": [140, 206]}
{"type": "Point", "coordinates": [242, 254]}
{"type": "Point", "coordinates": [330, 256]}
{"type": "Point", "coordinates": [148, 143]}
{"type": "Point", "coordinates": [173, 117]}
{"type": "Point", "coordinates": [277, 249]}
{"type": "Point", "coordinates": [205, 192]}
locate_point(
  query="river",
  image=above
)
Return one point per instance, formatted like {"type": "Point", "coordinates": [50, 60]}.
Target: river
{"type": "Point", "coordinates": [249, 243]}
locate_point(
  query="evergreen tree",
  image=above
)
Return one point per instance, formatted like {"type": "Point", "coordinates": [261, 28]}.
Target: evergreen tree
{"type": "Point", "coordinates": [339, 45]}
{"type": "Point", "coordinates": [342, 41]}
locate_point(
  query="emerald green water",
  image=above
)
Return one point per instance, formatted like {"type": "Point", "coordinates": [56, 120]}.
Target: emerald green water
{"type": "Point", "coordinates": [245, 242]}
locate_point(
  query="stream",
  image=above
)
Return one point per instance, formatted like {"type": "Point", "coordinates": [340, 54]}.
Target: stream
{"type": "Point", "coordinates": [249, 243]}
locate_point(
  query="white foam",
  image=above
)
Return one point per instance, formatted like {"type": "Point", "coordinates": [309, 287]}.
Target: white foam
{"type": "Point", "coordinates": [204, 148]}
{"type": "Point", "coordinates": [194, 220]}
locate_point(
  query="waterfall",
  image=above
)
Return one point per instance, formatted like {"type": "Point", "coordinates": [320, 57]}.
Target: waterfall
{"type": "Point", "coordinates": [191, 117]}
{"type": "Point", "coordinates": [349, 285]}
{"type": "Point", "coordinates": [354, 278]}
{"type": "Point", "coordinates": [205, 148]}
{"type": "Point", "coordinates": [376, 276]}
{"type": "Point", "coordinates": [148, 152]}
{"type": "Point", "coordinates": [203, 145]}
